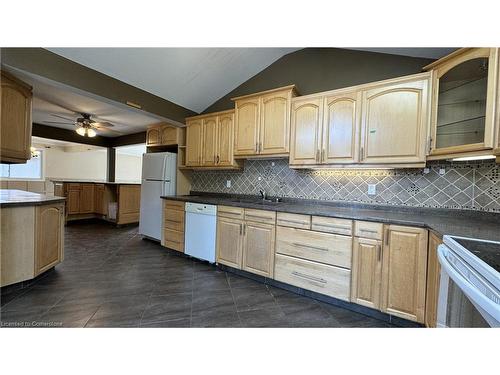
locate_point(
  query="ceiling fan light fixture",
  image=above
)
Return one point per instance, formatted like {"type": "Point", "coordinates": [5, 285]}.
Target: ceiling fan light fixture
{"type": "Point", "coordinates": [91, 133]}
{"type": "Point", "coordinates": [81, 131]}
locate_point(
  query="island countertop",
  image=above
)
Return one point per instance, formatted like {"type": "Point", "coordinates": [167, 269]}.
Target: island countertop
{"type": "Point", "coordinates": [94, 182]}
{"type": "Point", "coordinates": [11, 197]}
{"type": "Point", "coordinates": [465, 223]}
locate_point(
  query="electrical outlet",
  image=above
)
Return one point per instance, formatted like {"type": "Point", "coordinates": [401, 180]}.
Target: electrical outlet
{"type": "Point", "coordinates": [273, 164]}
{"type": "Point", "coordinates": [427, 170]}
{"type": "Point", "coordinates": [228, 183]}
{"type": "Point", "coordinates": [372, 189]}
{"type": "Point", "coordinates": [259, 178]}
{"type": "Point", "coordinates": [442, 171]}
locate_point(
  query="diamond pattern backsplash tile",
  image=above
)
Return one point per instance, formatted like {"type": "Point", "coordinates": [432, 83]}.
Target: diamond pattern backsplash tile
{"type": "Point", "coordinates": [472, 186]}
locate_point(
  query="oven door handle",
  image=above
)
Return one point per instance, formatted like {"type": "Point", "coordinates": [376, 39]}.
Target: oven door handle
{"type": "Point", "coordinates": [470, 290]}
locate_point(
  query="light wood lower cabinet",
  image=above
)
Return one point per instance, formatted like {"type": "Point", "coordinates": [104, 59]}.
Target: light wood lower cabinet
{"type": "Point", "coordinates": [129, 204]}
{"type": "Point", "coordinates": [321, 278]}
{"type": "Point", "coordinates": [86, 198]}
{"type": "Point", "coordinates": [73, 202]}
{"type": "Point", "coordinates": [173, 225]}
{"type": "Point", "coordinates": [49, 236]}
{"type": "Point", "coordinates": [404, 272]}
{"type": "Point", "coordinates": [433, 277]}
{"type": "Point", "coordinates": [246, 244]}
{"type": "Point", "coordinates": [366, 272]}
{"type": "Point", "coordinates": [99, 206]}
{"type": "Point", "coordinates": [258, 248]}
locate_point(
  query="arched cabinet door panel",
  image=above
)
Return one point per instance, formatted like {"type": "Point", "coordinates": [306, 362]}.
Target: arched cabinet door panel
{"type": "Point", "coordinates": [49, 236]}
{"type": "Point", "coordinates": [306, 131]}
{"type": "Point", "coordinates": [194, 133]}
{"type": "Point", "coordinates": [246, 127]}
{"type": "Point", "coordinates": [394, 123]}
{"type": "Point", "coordinates": [225, 139]}
{"type": "Point", "coordinates": [209, 147]}
{"type": "Point", "coordinates": [274, 124]}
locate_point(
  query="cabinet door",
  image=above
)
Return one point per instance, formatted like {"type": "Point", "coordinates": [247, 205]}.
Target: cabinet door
{"type": "Point", "coordinates": [15, 116]}
{"type": "Point", "coordinates": [274, 133]}
{"type": "Point", "coordinates": [366, 272]}
{"type": "Point", "coordinates": [404, 272]}
{"type": "Point", "coordinates": [229, 242]}
{"type": "Point", "coordinates": [194, 133]}
{"type": "Point", "coordinates": [463, 109]}
{"type": "Point", "coordinates": [168, 135]}
{"type": "Point", "coordinates": [209, 153]}
{"type": "Point", "coordinates": [340, 128]}
{"type": "Point", "coordinates": [129, 203]}
{"type": "Point", "coordinates": [225, 137]}
{"type": "Point", "coordinates": [99, 199]}
{"type": "Point", "coordinates": [433, 277]}
{"type": "Point", "coordinates": [49, 236]}
{"type": "Point", "coordinates": [73, 202]}
{"type": "Point", "coordinates": [306, 131]}
{"type": "Point", "coordinates": [246, 135]}
{"type": "Point", "coordinates": [153, 136]}
{"type": "Point", "coordinates": [87, 198]}
{"type": "Point", "coordinates": [395, 120]}
{"type": "Point", "coordinates": [258, 248]}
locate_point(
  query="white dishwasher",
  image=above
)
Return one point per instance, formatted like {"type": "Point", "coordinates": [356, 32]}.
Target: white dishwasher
{"type": "Point", "coordinates": [201, 224]}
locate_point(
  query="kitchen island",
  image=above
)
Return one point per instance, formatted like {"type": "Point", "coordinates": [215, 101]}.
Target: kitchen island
{"type": "Point", "coordinates": [117, 202]}
{"type": "Point", "coordinates": [32, 234]}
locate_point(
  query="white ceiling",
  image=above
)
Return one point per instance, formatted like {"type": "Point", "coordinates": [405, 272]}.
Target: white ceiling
{"type": "Point", "coordinates": [52, 99]}
{"type": "Point", "coordinates": [195, 78]}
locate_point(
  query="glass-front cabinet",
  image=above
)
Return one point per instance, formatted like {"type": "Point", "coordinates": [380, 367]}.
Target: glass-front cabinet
{"type": "Point", "coordinates": [463, 105]}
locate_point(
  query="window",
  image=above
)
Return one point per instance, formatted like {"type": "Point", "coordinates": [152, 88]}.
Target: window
{"type": "Point", "coordinates": [31, 170]}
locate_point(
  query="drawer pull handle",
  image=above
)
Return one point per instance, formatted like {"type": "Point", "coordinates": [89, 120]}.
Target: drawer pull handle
{"type": "Point", "coordinates": [173, 241]}
{"type": "Point", "coordinates": [173, 221]}
{"type": "Point", "coordinates": [332, 226]}
{"type": "Point", "coordinates": [309, 246]}
{"type": "Point", "coordinates": [368, 230]}
{"type": "Point", "coordinates": [293, 221]}
{"type": "Point", "coordinates": [308, 277]}
{"type": "Point", "coordinates": [259, 217]}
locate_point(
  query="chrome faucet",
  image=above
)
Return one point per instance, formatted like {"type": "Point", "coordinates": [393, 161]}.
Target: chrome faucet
{"type": "Point", "coordinates": [263, 194]}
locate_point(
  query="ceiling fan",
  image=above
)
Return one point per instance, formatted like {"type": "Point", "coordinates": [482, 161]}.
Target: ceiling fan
{"type": "Point", "coordinates": [85, 125]}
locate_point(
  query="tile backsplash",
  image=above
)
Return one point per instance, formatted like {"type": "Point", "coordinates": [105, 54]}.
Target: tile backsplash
{"type": "Point", "coordinates": [472, 185]}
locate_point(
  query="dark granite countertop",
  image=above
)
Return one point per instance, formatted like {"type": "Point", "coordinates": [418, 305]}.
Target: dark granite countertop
{"type": "Point", "coordinates": [11, 197]}
{"type": "Point", "coordinates": [95, 182]}
{"type": "Point", "coordinates": [465, 223]}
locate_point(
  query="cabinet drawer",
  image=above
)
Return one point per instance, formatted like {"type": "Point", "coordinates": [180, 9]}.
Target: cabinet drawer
{"type": "Point", "coordinates": [330, 280]}
{"type": "Point", "coordinates": [332, 225]}
{"type": "Point", "coordinates": [326, 248]}
{"type": "Point", "coordinates": [368, 229]}
{"type": "Point", "coordinates": [173, 239]}
{"type": "Point", "coordinates": [73, 186]}
{"type": "Point", "coordinates": [260, 216]}
{"type": "Point", "coordinates": [173, 219]}
{"type": "Point", "coordinates": [230, 212]}
{"type": "Point", "coordinates": [174, 205]}
{"type": "Point", "coordinates": [293, 220]}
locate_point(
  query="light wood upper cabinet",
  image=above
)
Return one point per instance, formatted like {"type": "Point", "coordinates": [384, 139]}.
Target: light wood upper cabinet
{"type": "Point", "coordinates": [307, 116]}
{"type": "Point", "coordinates": [209, 144]}
{"type": "Point", "coordinates": [404, 272]}
{"type": "Point", "coordinates": [340, 128]}
{"type": "Point", "coordinates": [395, 119]}
{"type": "Point", "coordinates": [465, 89]}
{"type": "Point", "coordinates": [229, 242]}
{"type": "Point", "coordinates": [153, 136]}
{"type": "Point", "coordinates": [216, 132]}
{"type": "Point", "coordinates": [366, 272]}
{"type": "Point", "coordinates": [49, 236]}
{"type": "Point", "coordinates": [247, 118]}
{"type": "Point", "coordinates": [258, 248]}
{"type": "Point", "coordinates": [194, 136]}
{"type": "Point", "coordinates": [274, 134]}
{"type": "Point", "coordinates": [262, 123]}
{"type": "Point", "coordinates": [225, 137]}
{"type": "Point", "coordinates": [15, 120]}
{"type": "Point", "coordinates": [169, 135]}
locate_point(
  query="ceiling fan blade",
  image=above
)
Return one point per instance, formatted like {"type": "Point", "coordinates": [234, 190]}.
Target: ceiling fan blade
{"type": "Point", "coordinates": [58, 122]}
{"type": "Point", "coordinates": [65, 118]}
{"type": "Point", "coordinates": [103, 124]}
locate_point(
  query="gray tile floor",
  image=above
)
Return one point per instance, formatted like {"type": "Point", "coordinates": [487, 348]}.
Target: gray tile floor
{"type": "Point", "coordinates": [111, 277]}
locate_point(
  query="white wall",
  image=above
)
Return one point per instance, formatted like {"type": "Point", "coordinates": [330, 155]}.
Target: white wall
{"type": "Point", "coordinates": [128, 168]}
{"type": "Point", "coordinates": [86, 165]}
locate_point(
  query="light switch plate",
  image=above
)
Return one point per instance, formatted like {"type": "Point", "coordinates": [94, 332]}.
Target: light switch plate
{"type": "Point", "coordinates": [228, 183]}
{"type": "Point", "coordinates": [372, 189]}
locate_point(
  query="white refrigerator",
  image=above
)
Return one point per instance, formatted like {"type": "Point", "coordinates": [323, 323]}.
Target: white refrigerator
{"type": "Point", "coordinates": [158, 178]}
